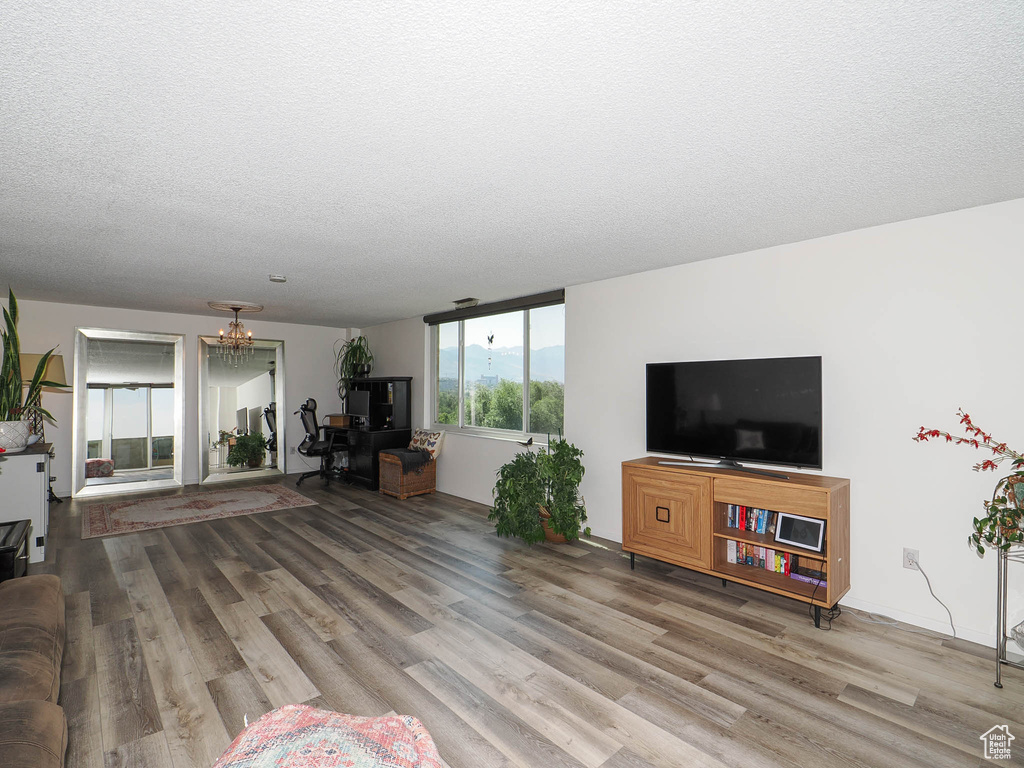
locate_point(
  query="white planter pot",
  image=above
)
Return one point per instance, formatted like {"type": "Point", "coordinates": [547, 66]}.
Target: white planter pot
{"type": "Point", "coordinates": [14, 435]}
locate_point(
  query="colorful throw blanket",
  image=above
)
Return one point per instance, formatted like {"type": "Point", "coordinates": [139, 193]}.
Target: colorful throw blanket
{"type": "Point", "coordinates": [297, 736]}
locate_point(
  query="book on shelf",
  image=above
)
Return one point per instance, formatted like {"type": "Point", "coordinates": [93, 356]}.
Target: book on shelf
{"type": "Point", "coordinates": [750, 519]}
{"type": "Point", "coordinates": [766, 558]}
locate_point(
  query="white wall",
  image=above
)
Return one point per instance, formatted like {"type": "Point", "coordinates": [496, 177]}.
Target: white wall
{"type": "Point", "coordinates": [399, 349]}
{"type": "Point", "coordinates": [309, 371]}
{"type": "Point", "coordinates": [912, 319]}
{"type": "Point", "coordinates": [255, 393]}
{"type": "Point", "coordinates": [467, 464]}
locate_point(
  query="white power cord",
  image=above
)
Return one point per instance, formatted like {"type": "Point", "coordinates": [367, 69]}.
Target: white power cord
{"type": "Point", "coordinates": [916, 563]}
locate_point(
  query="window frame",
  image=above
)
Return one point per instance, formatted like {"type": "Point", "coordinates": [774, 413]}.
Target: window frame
{"type": "Point", "coordinates": [468, 429]}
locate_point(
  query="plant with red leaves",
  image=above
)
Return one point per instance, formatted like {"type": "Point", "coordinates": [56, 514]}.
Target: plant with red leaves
{"type": "Point", "coordinates": [1004, 513]}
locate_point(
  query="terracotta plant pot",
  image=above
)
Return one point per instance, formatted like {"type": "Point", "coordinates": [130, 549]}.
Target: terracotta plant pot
{"type": "Point", "coordinates": [549, 534]}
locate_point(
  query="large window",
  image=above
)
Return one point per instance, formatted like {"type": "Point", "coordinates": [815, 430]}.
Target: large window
{"type": "Point", "coordinates": [503, 371]}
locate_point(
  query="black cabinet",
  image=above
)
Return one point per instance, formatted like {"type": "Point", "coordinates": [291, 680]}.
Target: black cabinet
{"type": "Point", "coordinates": [13, 549]}
{"type": "Point", "coordinates": [389, 425]}
{"type": "Point", "coordinates": [390, 401]}
{"type": "Point", "coordinates": [364, 448]}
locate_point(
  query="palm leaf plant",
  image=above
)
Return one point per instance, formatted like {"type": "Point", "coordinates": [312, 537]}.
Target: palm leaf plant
{"type": "Point", "coordinates": [17, 401]}
{"type": "Point", "coordinates": [351, 360]}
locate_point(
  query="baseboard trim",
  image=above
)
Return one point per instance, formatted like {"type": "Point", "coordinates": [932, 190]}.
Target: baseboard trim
{"type": "Point", "coordinates": [942, 627]}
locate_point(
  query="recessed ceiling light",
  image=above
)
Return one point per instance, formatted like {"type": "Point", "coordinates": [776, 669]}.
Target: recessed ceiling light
{"type": "Point", "coordinates": [278, 279]}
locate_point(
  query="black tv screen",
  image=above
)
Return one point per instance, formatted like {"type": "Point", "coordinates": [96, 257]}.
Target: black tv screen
{"type": "Point", "coordinates": [766, 411]}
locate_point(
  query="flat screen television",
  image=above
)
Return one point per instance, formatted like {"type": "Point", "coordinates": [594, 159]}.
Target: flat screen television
{"type": "Point", "coordinates": [766, 411]}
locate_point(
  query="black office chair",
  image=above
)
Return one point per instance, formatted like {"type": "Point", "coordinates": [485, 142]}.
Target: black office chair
{"type": "Point", "coordinates": [317, 443]}
{"type": "Point", "coordinates": [270, 414]}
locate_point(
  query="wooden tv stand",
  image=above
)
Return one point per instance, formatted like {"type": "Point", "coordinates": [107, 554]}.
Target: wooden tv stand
{"type": "Point", "coordinates": [679, 515]}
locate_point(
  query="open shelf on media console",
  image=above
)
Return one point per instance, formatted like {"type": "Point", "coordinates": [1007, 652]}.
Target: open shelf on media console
{"type": "Point", "coordinates": [776, 582]}
{"type": "Point", "coordinates": [766, 540]}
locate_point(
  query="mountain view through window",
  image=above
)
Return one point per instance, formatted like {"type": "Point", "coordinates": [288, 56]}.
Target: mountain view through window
{"type": "Point", "coordinates": [496, 357]}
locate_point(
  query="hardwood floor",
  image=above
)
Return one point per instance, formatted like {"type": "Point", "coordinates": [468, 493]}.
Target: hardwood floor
{"type": "Point", "coordinates": [510, 655]}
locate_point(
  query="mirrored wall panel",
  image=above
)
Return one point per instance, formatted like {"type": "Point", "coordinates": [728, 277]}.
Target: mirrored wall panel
{"type": "Point", "coordinates": [128, 411]}
{"type": "Point", "coordinates": [238, 411]}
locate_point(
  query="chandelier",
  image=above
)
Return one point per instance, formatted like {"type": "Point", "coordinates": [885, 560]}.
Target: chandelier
{"type": "Point", "coordinates": [235, 346]}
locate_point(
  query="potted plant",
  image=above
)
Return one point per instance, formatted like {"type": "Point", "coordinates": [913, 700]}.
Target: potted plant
{"type": "Point", "coordinates": [537, 495]}
{"type": "Point", "coordinates": [17, 401]}
{"type": "Point", "coordinates": [1002, 526]}
{"type": "Point", "coordinates": [225, 437]}
{"type": "Point", "coordinates": [353, 359]}
{"type": "Point", "coordinates": [249, 450]}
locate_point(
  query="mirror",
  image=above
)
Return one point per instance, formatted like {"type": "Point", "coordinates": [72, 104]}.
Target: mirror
{"type": "Point", "coordinates": [239, 399]}
{"type": "Point", "coordinates": [127, 428]}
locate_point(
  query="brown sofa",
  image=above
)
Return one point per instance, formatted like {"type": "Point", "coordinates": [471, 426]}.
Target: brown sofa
{"type": "Point", "coordinates": [33, 731]}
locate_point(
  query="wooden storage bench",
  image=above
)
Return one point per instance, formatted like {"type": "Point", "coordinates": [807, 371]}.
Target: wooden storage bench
{"type": "Point", "coordinates": [402, 485]}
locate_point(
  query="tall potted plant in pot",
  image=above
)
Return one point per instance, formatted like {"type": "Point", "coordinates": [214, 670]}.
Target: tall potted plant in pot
{"type": "Point", "coordinates": [537, 495]}
{"type": "Point", "coordinates": [352, 360]}
{"type": "Point", "coordinates": [16, 400]}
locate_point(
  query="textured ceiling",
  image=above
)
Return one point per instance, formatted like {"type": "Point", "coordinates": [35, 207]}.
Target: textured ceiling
{"type": "Point", "coordinates": [390, 158]}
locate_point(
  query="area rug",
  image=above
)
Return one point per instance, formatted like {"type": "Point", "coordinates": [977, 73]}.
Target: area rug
{"type": "Point", "coordinates": [133, 515]}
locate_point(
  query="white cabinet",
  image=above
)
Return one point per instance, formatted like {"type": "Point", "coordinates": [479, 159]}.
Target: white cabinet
{"type": "Point", "coordinates": [25, 494]}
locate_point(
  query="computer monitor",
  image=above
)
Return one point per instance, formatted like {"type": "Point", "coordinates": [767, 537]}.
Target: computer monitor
{"type": "Point", "coordinates": [358, 403]}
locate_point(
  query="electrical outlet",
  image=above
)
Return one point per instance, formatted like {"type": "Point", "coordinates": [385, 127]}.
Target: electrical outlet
{"type": "Point", "coordinates": [911, 557]}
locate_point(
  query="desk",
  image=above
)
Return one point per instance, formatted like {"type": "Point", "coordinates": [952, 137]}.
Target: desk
{"type": "Point", "coordinates": [363, 446]}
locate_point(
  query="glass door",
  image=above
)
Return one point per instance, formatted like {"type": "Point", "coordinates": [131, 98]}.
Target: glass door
{"type": "Point", "coordinates": [128, 411]}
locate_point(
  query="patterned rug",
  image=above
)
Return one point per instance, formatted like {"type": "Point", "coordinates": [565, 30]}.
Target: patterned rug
{"type": "Point", "coordinates": [113, 517]}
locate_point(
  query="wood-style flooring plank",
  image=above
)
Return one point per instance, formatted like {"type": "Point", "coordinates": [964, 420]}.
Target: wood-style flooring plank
{"type": "Point", "coordinates": [212, 650]}
{"type": "Point", "coordinates": [509, 654]}
{"type": "Point", "coordinates": [253, 588]}
{"type": "Point", "coordinates": [238, 537]}
{"type": "Point", "coordinates": [597, 675]}
{"type": "Point", "coordinates": [517, 739]}
{"type": "Point", "coordinates": [125, 553]}
{"type": "Point", "coordinates": [824, 725]}
{"type": "Point", "coordinates": [196, 569]}
{"type": "Point", "coordinates": [945, 721]}
{"type": "Point", "coordinates": [459, 744]}
{"type": "Point", "coordinates": [79, 651]}
{"type": "Point", "coordinates": [195, 733]}
{"type": "Point", "coordinates": [320, 663]}
{"type": "Point", "coordinates": [277, 673]}
{"type": "Point", "coordinates": [237, 697]}
{"type": "Point", "coordinates": [147, 752]}
{"type": "Point", "coordinates": [317, 615]}
{"type": "Point", "coordinates": [80, 700]}
{"type": "Point", "coordinates": [506, 685]}
{"type": "Point", "coordinates": [129, 709]}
